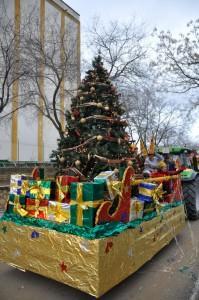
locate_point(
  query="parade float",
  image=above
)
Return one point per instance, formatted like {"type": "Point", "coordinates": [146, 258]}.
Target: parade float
{"type": "Point", "coordinates": [99, 219]}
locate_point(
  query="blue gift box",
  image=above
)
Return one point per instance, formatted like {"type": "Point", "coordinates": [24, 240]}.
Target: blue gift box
{"type": "Point", "coordinates": [146, 191]}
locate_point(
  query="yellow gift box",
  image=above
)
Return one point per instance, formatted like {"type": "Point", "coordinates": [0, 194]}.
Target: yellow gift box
{"type": "Point", "coordinates": [136, 209]}
{"type": "Point", "coordinates": [58, 212]}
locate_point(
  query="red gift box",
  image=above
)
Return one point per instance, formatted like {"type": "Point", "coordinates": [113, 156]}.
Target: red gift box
{"type": "Point", "coordinates": [62, 193]}
{"type": "Point", "coordinates": [37, 208]}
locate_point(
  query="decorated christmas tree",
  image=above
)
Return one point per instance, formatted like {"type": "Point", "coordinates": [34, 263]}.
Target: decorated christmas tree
{"type": "Point", "coordinates": [95, 137]}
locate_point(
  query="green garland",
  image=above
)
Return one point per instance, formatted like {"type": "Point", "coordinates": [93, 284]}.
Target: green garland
{"type": "Point", "coordinates": [97, 232]}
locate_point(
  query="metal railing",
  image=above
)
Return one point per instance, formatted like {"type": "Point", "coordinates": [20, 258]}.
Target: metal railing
{"type": "Point", "coordinates": [23, 164]}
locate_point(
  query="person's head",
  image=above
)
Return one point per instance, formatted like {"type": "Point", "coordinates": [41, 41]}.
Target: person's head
{"type": "Point", "coordinates": [151, 156]}
{"type": "Point", "coordinates": [166, 156]}
{"type": "Point", "coordinates": [162, 166]}
{"type": "Point", "coordinates": [146, 173]}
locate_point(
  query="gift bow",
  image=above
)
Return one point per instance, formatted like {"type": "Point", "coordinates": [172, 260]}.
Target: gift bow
{"type": "Point", "coordinates": [37, 208]}
{"type": "Point", "coordinates": [60, 214]}
{"type": "Point", "coordinates": [34, 189]}
{"type": "Point", "coordinates": [38, 190]}
{"type": "Point", "coordinates": [25, 187]}
{"type": "Point", "coordinates": [83, 204]}
{"type": "Point", "coordinates": [157, 194]}
{"type": "Point", "coordinates": [62, 190]}
{"type": "Point", "coordinates": [138, 207]}
{"type": "Point", "coordinates": [115, 186]}
{"type": "Point", "coordinates": [18, 208]}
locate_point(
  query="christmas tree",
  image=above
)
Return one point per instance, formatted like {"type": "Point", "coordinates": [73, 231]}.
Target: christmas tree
{"type": "Point", "coordinates": [95, 137]}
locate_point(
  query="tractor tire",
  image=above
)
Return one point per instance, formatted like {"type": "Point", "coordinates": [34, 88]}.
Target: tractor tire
{"type": "Point", "coordinates": [189, 193]}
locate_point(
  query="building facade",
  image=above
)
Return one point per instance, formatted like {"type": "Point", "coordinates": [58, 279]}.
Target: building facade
{"type": "Point", "coordinates": [27, 136]}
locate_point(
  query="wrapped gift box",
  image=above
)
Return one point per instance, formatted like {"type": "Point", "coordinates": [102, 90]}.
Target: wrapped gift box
{"type": "Point", "coordinates": [85, 199]}
{"type": "Point", "coordinates": [37, 208]}
{"type": "Point", "coordinates": [146, 191]}
{"type": "Point", "coordinates": [38, 189]}
{"type": "Point", "coordinates": [16, 183]}
{"type": "Point", "coordinates": [136, 209]}
{"type": "Point", "coordinates": [17, 204]}
{"type": "Point", "coordinates": [58, 212]}
{"type": "Point", "coordinates": [108, 178]}
{"type": "Point", "coordinates": [63, 187]}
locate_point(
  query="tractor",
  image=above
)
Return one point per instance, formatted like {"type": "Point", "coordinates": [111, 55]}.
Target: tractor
{"type": "Point", "coordinates": [189, 177]}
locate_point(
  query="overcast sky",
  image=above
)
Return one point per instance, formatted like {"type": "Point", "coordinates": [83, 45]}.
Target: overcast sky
{"type": "Point", "coordinates": [170, 15]}
{"type": "Point", "coordinates": [163, 14]}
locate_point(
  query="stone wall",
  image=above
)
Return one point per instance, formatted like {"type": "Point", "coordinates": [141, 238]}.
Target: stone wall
{"type": "Point", "coordinates": [3, 199]}
{"type": "Point", "coordinates": [6, 172]}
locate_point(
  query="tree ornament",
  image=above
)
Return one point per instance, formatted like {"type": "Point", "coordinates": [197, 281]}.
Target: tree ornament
{"type": "Point", "coordinates": [113, 88]}
{"type": "Point", "coordinates": [77, 132]}
{"type": "Point", "coordinates": [61, 159]}
{"type": "Point", "coordinates": [66, 133]}
{"type": "Point", "coordinates": [119, 141]}
{"type": "Point", "coordinates": [77, 163]}
{"type": "Point", "coordinates": [89, 156]}
{"type": "Point", "coordinates": [106, 107]}
{"type": "Point", "coordinates": [75, 112]}
{"type": "Point", "coordinates": [99, 104]}
{"type": "Point", "coordinates": [126, 137]}
{"type": "Point", "coordinates": [92, 89]}
{"type": "Point", "coordinates": [81, 98]}
{"type": "Point", "coordinates": [109, 131]}
{"type": "Point", "coordinates": [72, 118]}
{"type": "Point", "coordinates": [116, 171]}
{"type": "Point", "coordinates": [133, 147]}
{"type": "Point", "coordinates": [82, 120]}
{"type": "Point", "coordinates": [99, 137]}
{"type": "Point", "coordinates": [130, 163]}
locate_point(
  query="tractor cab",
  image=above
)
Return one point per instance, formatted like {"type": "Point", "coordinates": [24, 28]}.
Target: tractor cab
{"type": "Point", "coordinates": [182, 157]}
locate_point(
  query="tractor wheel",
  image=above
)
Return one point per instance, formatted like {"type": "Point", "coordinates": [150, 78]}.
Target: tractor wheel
{"type": "Point", "coordinates": [190, 199]}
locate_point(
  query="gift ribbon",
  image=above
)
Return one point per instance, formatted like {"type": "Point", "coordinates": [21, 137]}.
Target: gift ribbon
{"type": "Point", "coordinates": [145, 192]}
{"type": "Point", "coordinates": [37, 208]}
{"type": "Point", "coordinates": [14, 185]}
{"type": "Point", "coordinates": [138, 207]}
{"type": "Point", "coordinates": [38, 191]}
{"type": "Point", "coordinates": [35, 189]}
{"type": "Point", "coordinates": [18, 208]}
{"type": "Point", "coordinates": [157, 194]}
{"type": "Point", "coordinates": [116, 186]}
{"type": "Point", "coordinates": [81, 205]}
{"type": "Point", "coordinates": [61, 215]}
{"type": "Point", "coordinates": [62, 190]}
{"type": "Point", "coordinates": [25, 187]}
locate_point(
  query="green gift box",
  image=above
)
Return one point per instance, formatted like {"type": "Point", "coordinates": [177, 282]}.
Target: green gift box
{"type": "Point", "coordinates": [40, 189]}
{"type": "Point", "coordinates": [14, 200]}
{"type": "Point", "coordinates": [85, 197]}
